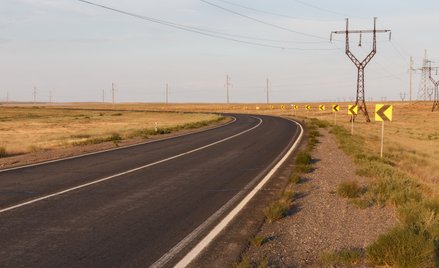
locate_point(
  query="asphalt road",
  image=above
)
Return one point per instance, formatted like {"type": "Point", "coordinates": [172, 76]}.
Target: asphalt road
{"type": "Point", "coordinates": [129, 207]}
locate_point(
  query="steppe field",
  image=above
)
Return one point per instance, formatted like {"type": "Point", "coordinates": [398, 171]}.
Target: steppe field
{"type": "Point", "coordinates": [411, 139]}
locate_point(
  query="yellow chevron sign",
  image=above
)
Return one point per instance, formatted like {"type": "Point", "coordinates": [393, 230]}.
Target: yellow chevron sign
{"type": "Point", "coordinates": [282, 107]}
{"type": "Point", "coordinates": [335, 108]}
{"type": "Point", "coordinates": [353, 109]}
{"type": "Point", "coordinates": [271, 107]}
{"type": "Point", "coordinates": [383, 112]}
{"type": "Point", "coordinates": [296, 107]}
{"type": "Point", "coordinates": [308, 107]}
{"type": "Point", "coordinates": [322, 107]}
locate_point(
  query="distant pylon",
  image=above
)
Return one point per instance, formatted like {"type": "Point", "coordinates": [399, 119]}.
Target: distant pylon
{"type": "Point", "coordinates": [423, 83]}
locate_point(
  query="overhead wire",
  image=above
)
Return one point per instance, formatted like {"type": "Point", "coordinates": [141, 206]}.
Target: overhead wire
{"type": "Point", "coordinates": [209, 33]}
{"type": "Point", "coordinates": [263, 22]}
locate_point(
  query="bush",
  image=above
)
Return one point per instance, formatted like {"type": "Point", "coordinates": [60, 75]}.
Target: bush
{"type": "Point", "coordinates": [342, 257]}
{"type": "Point", "coordinates": [402, 247]}
{"type": "Point", "coordinates": [350, 189]}
{"type": "Point", "coordinates": [3, 152]}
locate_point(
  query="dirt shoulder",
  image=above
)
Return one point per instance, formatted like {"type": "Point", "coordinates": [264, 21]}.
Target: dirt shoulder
{"type": "Point", "coordinates": [320, 220]}
{"type": "Point", "coordinates": [59, 153]}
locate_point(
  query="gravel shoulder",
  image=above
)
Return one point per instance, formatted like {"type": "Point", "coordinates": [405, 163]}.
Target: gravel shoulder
{"type": "Point", "coordinates": [320, 219]}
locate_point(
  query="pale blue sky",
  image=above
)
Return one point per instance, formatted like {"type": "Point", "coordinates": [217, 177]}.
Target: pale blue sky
{"type": "Point", "coordinates": [77, 50]}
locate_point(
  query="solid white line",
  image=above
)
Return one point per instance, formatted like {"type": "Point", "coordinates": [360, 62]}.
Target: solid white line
{"type": "Point", "coordinates": [218, 228]}
{"type": "Point", "coordinates": [127, 172]}
{"type": "Point", "coordinates": [114, 149]}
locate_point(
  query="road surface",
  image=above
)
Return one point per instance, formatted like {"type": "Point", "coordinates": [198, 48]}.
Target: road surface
{"type": "Point", "coordinates": [130, 207]}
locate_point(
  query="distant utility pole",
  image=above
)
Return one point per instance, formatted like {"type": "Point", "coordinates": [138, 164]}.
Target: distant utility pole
{"type": "Point", "coordinates": [411, 77]}
{"type": "Point", "coordinates": [50, 97]}
{"type": "Point", "coordinates": [228, 84]}
{"type": "Point", "coordinates": [167, 93]}
{"type": "Point", "coordinates": [423, 84]}
{"type": "Point", "coordinates": [35, 94]}
{"type": "Point", "coordinates": [268, 91]}
{"type": "Point", "coordinates": [112, 90]}
{"type": "Point", "coordinates": [7, 96]}
{"type": "Point", "coordinates": [402, 95]}
{"type": "Point", "coordinates": [360, 99]}
{"type": "Point", "coordinates": [103, 95]}
{"type": "Point", "coordinates": [436, 87]}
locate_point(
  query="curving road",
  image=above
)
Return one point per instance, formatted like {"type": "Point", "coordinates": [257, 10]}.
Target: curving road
{"type": "Point", "coordinates": [135, 206]}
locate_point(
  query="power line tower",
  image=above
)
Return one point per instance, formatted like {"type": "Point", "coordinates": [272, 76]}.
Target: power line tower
{"type": "Point", "coordinates": [167, 93]}
{"type": "Point", "coordinates": [411, 77]}
{"type": "Point", "coordinates": [35, 94]}
{"type": "Point", "coordinates": [228, 84]}
{"type": "Point", "coordinates": [436, 86]}
{"type": "Point", "coordinates": [268, 91]}
{"type": "Point", "coordinates": [360, 98]}
{"type": "Point", "coordinates": [423, 84]}
{"type": "Point", "coordinates": [112, 91]}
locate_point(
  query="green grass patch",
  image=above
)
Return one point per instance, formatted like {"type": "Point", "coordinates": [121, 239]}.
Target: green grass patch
{"type": "Point", "coordinates": [403, 247]}
{"type": "Point", "coordinates": [114, 137]}
{"type": "Point", "coordinates": [342, 257]}
{"type": "Point", "coordinates": [350, 189]}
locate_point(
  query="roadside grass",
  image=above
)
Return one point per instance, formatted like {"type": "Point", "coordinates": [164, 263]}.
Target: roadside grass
{"type": "Point", "coordinates": [350, 189]}
{"type": "Point", "coordinates": [414, 242]}
{"type": "Point", "coordinates": [279, 208]}
{"type": "Point", "coordinates": [247, 263]}
{"type": "Point", "coordinates": [346, 257]}
{"type": "Point", "coordinates": [3, 152]}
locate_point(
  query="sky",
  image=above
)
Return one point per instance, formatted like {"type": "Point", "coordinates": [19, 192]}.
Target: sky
{"type": "Point", "coordinates": [73, 51]}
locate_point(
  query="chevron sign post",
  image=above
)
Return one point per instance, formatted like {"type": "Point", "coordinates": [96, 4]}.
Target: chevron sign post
{"type": "Point", "coordinates": [353, 111]}
{"type": "Point", "coordinates": [383, 113]}
{"type": "Point", "coordinates": [335, 109]}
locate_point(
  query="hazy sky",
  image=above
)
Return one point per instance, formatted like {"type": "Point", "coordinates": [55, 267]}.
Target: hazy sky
{"type": "Point", "coordinates": [76, 50]}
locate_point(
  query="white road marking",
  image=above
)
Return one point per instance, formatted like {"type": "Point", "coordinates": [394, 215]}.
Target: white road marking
{"type": "Point", "coordinates": [127, 172]}
{"type": "Point", "coordinates": [113, 149]}
{"type": "Point", "coordinates": [223, 223]}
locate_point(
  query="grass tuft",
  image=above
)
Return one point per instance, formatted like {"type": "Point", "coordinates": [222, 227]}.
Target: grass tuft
{"type": "Point", "coordinates": [3, 152]}
{"type": "Point", "coordinates": [350, 189]}
{"type": "Point", "coordinates": [403, 247]}
{"type": "Point", "coordinates": [342, 257]}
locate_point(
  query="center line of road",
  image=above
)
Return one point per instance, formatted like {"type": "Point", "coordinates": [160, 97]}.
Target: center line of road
{"type": "Point", "coordinates": [128, 171]}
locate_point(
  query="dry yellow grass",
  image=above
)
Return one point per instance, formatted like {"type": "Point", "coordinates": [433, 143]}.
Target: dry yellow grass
{"type": "Point", "coordinates": [411, 140]}
{"type": "Point", "coordinates": [25, 129]}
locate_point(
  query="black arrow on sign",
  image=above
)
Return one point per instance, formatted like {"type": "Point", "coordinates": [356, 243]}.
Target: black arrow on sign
{"type": "Point", "coordinates": [352, 109]}
{"type": "Point", "coordinates": [381, 111]}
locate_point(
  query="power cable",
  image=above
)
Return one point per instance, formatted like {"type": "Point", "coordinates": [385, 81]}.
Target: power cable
{"type": "Point", "coordinates": [263, 22]}
{"type": "Point", "coordinates": [195, 30]}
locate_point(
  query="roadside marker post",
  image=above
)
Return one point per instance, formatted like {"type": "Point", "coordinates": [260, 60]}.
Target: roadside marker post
{"type": "Point", "coordinates": [353, 111]}
{"type": "Point", "coordinates": [383, 113]}
{"type": "Point", "coordinates": [322, 108]}
{"type": "Point", "coordinates": [335, 109]}
{"type": "Point", "coordinates": [156, 127]}
{"type": "Point", "coordinates": [308, 107]}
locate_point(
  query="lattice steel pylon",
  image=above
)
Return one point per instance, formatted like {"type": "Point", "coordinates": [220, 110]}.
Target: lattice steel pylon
{"type": "Point", "coordinates": [436, 87]}
{"type": "Point", "coordinates": [423, 83]}
{"type": "Point", "coordinates": [360, 99]}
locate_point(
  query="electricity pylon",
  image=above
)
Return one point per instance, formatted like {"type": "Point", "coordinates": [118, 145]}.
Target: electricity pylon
{"type": "Point", "coordinates": [360, 98]}
{"type": "Point", "coordinates": [436, 86]}
{"type": "Point", "coordinates": [423, 84]}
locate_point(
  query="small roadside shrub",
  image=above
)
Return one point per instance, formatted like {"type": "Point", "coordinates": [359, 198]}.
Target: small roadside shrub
{"type": "Point", "coordinates": [295, 179]}
{"type": "Point", "coordinates": [277, 210]}
{"type": "Point", "coordinates": [258, 241]}
{"type": "Point", "coordinates": [402, 247]}
{"type": "Point", "coordinates": [3, 152]}
{"type": "Point", "coordinates": [342, 257]}
{"type": "Point", "coordinates": [350, 189]}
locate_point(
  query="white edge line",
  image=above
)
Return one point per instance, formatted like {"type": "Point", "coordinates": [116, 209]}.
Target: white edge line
{"type": "Point", "coordinates": [218, 228]}
{"type": "Point", "coordinates": [114, 149]}
{"type": "Point", "coordinates": [126, 172]}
